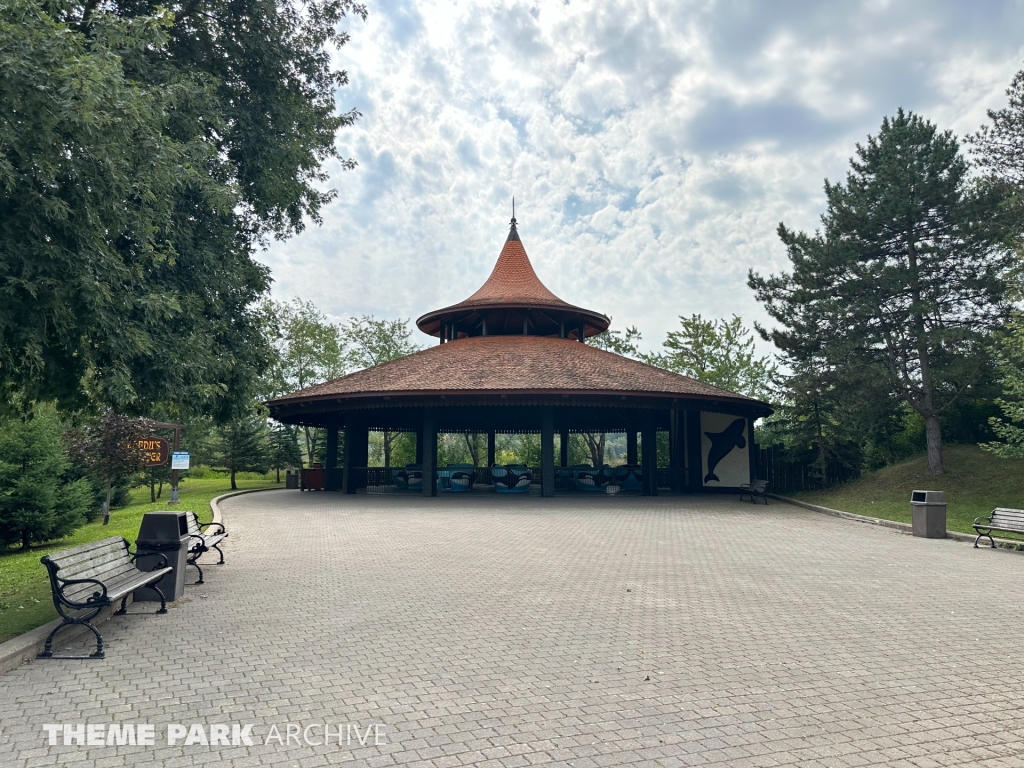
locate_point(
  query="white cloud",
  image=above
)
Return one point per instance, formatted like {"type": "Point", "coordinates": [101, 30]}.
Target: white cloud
{"type": "Point", "coordinates": [652, 148]}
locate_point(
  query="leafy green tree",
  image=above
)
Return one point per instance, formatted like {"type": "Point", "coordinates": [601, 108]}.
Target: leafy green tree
{"type": "Point", "coordinates": [145, 154]}
{"type": "Point", "coordinates": [309, 351]}
{"type": "Point", "coordinates": [718, 352]}
{"type": "Point", "coordinates": [1009, 427]}
{"type": "Point", "coordinates": [620, 342]}
{"type": "Point", "coordinates": [36, 503]}
{"type": "Point", "coordinates": [905, 276]}
{"type": "Point", "coordinates": [368, 342]}
{"type": "Point", "coordinates": [243, 445]}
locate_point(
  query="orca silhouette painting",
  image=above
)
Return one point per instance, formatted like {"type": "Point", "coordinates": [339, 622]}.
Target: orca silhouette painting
{"type": "Point", "coordinates": [722, 444]}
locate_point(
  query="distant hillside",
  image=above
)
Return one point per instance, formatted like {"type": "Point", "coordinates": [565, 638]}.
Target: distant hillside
{"type": "Point", "coordinates": [975, 482]}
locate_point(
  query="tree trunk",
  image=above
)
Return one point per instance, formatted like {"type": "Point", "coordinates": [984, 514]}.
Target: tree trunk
{"type": "Point", "coordinates": [933, 435]}
{"type": "Point", "coordinates": [26, 541]}
{"type": "Point", "coordinates": [233, 486]}
{"type": "Point", "coordinates": [152, 491]}
{"type": "Point", "coordinates": [595, 444]}
{"type": "Point", "coordinates": [160, 489]}
{"type": "Point", "coordinates": [278, 475]}
{"type": "Point", "coordinates": [471, 446]}
{"type": "Point", "coordinates": [106, 506]}
{"type": "Point", "coordinates": [388, 437]}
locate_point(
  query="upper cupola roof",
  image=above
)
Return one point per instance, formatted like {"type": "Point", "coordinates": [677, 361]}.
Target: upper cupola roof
{"type": "Point", "coordinates": [513, 301]}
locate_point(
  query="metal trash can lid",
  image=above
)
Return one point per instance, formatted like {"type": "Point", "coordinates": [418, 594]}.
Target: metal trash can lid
{"type": "Point", "coordinates": [158, 545]}
{"type": "Point", "coordinates": [928, 497]}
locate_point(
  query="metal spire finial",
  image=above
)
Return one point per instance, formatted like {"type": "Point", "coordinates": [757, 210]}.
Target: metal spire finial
{"type": "Point", "coordinates": [513, 233]}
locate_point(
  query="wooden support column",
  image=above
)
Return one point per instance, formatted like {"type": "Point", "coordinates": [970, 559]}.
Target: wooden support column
{"type": "Point", "coordinates": [357, 454]}
{"type": "Point", "coordinates": [332, 482]}
{"type": "Point", "coordinates": [695, 462]}
{"type": "Point", "coordinates": [348, 484]}
{"type": "Point", "coordinates": [676, 447]}
{"type": "Point", "coordinates": [429, 461]}
{"type": "Point", "coordinates": [650, 458]}
{"type": "Point", "coordinates": [754, 449]}
{"type": "Point", "coordinates": [631, 452]}
{"type": "Point", "coordinates": [491, 445]}
{"type": "Point", "coordinates": [419, 445]}
{"type": "Point", "coordinates": [563, 447]}
{"type": "Point", "coordinates": [547, 452]}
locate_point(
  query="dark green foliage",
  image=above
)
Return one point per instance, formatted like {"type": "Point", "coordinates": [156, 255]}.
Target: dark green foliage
{"type": "Point", "coordinates": [242, 445]}
{"type": "Point", "coordinates": [998, 149]}
{"type": "Point", "coordinates": [37, 504]}
{"type": "Point", "coordinates": [905, 282]}
{"type": "Point", "coordinates": [620, 342]}
{"type": "Point", "coordinates": [717, 352]}
{"type": "Point", "coordinates": [145, 153]}
{"type": "Point", "coordinates": [1009, 426]}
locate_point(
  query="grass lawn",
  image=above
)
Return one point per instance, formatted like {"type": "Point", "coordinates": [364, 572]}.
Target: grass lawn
{"type": "Point", "coordinates": [975, 483]}
{"type": "Point", "coordinates": [25, 601]}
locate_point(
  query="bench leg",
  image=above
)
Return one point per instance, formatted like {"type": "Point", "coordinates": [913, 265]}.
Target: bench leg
{"type": "Point", "coordinates": [195, 565]}
{"type": "Point", "coordinates": [982, 535]}
{"type": "Point", "coordinates": [217, 547]}
{"type": "Point", "coordinates": [163, 600]}
{"type": "Point", "coordinates": [124, 607]}
{"type": "Point", "coordinates": [47, 652]}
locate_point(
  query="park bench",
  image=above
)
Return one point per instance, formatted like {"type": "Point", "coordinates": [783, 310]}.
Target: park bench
{"type": "Point", "coordinates": [86, 579]}
{"type": "Point", "coordinates": [755, 489]}
{"type": "Point", "coordinates": [201, 542]}
{"type": "Point", "coordinates": [999, 519]}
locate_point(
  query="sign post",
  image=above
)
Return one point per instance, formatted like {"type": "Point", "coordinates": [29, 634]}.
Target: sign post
{"type": "Point", "coordinates": [174, 468]}
{"type": "Point", "coordinates": [176, 463]}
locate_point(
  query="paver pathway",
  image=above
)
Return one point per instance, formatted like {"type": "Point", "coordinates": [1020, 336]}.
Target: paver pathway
{"type": "Point", "coordinates": [508, 632]}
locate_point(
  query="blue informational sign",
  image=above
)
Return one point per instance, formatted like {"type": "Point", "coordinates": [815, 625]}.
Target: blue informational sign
{"type": "Point", "coordinates": [179, 460]}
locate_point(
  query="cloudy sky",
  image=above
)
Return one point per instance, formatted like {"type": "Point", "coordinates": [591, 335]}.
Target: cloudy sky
{"type": "Point", "coordinates": [652, 148]}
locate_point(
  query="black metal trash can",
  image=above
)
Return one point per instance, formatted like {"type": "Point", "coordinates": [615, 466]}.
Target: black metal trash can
{"type": "Point", "coordinates": [291, 479]}
{"type": "Point", "coordinates": [163, 533]}
{"type": "Point", "coordinates": [928, 514]}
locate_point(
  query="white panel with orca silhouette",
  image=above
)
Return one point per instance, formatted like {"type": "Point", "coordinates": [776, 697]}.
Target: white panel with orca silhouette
{"type": "Point", "coordinates": [724, 450]}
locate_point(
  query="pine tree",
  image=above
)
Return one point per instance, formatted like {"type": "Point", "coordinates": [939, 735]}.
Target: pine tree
{"type": "Point", "coordinates": [36, 505]}
{"type": "Point", "coordinates": [905, 276]}
{"type": "Point", "coordinates": [243, 445]}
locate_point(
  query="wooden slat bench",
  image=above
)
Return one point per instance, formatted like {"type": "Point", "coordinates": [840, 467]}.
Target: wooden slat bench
{"type": "Point", "coordinates": [202, 542]}
{"type": "Point", "coordinates": [999, 519]}
{"type": "Point", "coordinates": [84, 580]}
{"type": "Point", "coordinates": [755, 489]}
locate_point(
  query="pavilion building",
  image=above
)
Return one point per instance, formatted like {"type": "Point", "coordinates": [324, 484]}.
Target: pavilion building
{"type": "Point", "coordinates": [513, 357]}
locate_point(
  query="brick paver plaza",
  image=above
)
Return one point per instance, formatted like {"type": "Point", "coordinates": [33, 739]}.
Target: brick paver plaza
{"type": "Point", "coordinates": [589, 632]}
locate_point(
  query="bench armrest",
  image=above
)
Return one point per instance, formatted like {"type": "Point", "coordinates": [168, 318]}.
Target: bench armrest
{"type": "Point", "coordinates": [219, 525]}
{"type": "Point", "coordinates": [983, 521]}
{"type": "Point", "coordinates": [97, 597]}
{"type": "Point", "coordinates": [134, 555]}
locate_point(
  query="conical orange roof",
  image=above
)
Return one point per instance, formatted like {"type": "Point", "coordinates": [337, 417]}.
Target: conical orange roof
{"type": "Point", "coordinates": [513, 298]}
{"type": "Point", "coordinates": [513, 280]}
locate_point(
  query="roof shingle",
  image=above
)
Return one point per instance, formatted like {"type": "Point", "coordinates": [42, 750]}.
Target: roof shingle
{"type": "Point", "coordinates": [490, 364]}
